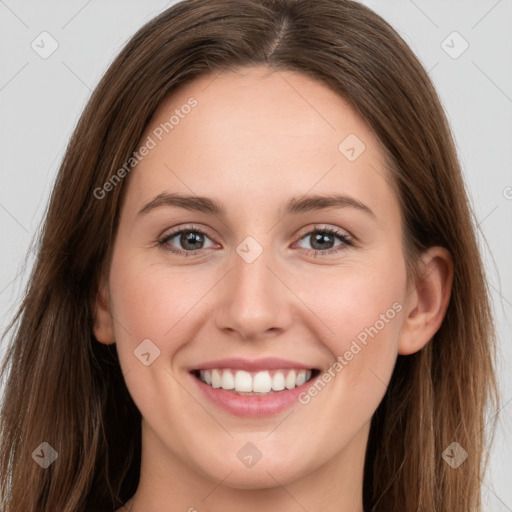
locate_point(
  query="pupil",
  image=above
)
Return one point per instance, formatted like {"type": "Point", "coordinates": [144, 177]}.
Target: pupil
{"type": "Point", "coordinates": [321, 238]}
{"type": "Point", "coordinates": [188, 238]}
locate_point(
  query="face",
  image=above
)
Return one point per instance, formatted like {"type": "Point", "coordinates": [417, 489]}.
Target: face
{"type": "Point", "coordinates": [258, 270]}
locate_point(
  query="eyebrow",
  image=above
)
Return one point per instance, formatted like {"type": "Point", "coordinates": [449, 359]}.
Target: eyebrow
{"type": "Point", "coordinates": [295, 205]}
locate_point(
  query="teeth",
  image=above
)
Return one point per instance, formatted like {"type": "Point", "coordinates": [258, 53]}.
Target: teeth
{"type": "Point", "coordinates": [228, 381]}
{"type": "Point", "coordinates": [290, 380]}
{"type": "Point", "coordinates": [243, 381]}
{"type": "Point", "coordinates": [278, 381]}
{"type": "Point", "coordinates": [216, 379]}
{"type": "Point", "coordinates": [256, 382]}
{"type": "Point", "coordinates": [262, 382]}
{"type": "Point", "coordinates": [301, 378]}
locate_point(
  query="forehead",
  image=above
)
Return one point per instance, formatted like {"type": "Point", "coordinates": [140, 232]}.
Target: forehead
{"type": "Point", "coordinates": [258, 132]}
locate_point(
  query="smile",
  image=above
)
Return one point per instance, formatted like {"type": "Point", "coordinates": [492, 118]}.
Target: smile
{"type": "Point", "coordinates": [255, 383]}
{"type": "Point", "coordinates": [255, 393]}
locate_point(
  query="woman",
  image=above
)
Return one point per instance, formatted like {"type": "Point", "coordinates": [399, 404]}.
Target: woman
{"type": "Point", "coordinates": [187, 342]}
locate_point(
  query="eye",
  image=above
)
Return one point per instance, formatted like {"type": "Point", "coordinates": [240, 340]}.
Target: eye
{"type": "Point", "coordinates": [191, 240]}
{"type": "Point", "coordinates": [323, 240]}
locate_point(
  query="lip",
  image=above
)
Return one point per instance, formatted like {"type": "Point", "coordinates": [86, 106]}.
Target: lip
{"type": "Point", "coordinates": [265, 363]}
{"type": "Point", "coordinates": [254, 406]}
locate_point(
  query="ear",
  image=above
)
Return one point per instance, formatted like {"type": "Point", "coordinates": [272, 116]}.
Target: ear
{"type": "Point", "coordinates": [103, 321]}
{"type": "Point", "coordinates": [427, 301]}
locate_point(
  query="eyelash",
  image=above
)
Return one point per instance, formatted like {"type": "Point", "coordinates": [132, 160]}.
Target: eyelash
{"type": "Point", "coordinates": [346, 241]}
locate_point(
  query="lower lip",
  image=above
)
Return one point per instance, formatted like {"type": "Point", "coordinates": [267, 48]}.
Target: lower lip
{"type": "Point", "coordinates": [255, 406]}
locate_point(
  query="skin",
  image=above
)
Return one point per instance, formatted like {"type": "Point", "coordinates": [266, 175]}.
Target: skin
{"type": "Point", "coordinates": [256, 139]}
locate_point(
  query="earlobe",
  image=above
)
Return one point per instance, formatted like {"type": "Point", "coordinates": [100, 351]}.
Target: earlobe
{"type": "Point", "coordinates": [428, 301]}
{"type": "Point", "coordinates": [103, 324]}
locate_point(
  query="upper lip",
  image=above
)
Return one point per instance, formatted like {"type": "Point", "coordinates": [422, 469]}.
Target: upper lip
{"type": "Point", "coordinates": [265, 363]}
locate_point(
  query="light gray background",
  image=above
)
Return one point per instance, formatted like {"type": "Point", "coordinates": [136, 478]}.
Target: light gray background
{"type": "Point", "coordinates": [41, 100]}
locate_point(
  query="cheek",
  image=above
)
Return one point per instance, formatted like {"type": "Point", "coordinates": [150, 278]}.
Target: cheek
{"type": "Point", "coordinates": [152, 301]}
{"type": "Point", "coordinates": [363, 311]}
{"type": "Point", "coordinates": [153, 308]}
{"type": "Point", "coordinates": [361, 301]}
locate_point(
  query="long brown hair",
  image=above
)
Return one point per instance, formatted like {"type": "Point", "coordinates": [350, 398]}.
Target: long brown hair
{"type": "Point", "coordinates": [66, 389]}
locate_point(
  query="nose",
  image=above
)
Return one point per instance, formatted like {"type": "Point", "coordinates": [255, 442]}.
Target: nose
{"type": "Point", "coordinates": [255, 302]}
